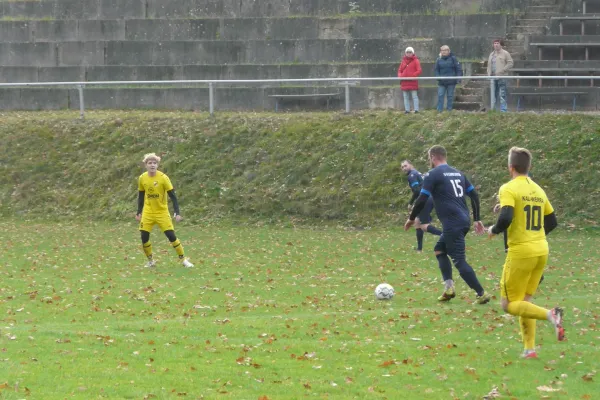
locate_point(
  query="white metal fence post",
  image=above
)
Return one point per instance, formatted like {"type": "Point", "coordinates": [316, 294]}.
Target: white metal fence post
{"type": "Point", "coordinates": [81, 102]}
{"type": "Point", "coordinates": [492, 94]}
{"type": "Point", "coordinates": [347, 95]}
{"type": "Point", "coordinates": [211, 98]}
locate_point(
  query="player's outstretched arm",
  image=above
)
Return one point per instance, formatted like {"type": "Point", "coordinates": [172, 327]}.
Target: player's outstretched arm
{"type": "Point", "coordinates": [475, 207]}
{"type": "Point", "coordinates": [140, 205]}
{"type": "Point", "coordinates": [417, 208]}
{"type": "Point", "coordinates": [173, 198]}
{"type": "Point", "coordinates": [504, 220]}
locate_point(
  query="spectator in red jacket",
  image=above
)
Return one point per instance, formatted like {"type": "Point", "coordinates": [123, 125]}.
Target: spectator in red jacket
{"type": "Point", "coordinates": [410, 68]}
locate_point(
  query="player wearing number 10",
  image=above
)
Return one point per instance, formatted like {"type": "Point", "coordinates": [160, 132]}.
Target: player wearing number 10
{"type": "Point", "coordinates": [527, 216]}
{"type": "Point", "coordinates": [448, 187]}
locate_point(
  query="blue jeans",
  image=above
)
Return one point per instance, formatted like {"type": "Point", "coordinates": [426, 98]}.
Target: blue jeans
{"type": "Point", "coordinates": [501, 94]}
{"type": "Point", "coordinates": [448, 91]}
{"type": "Point", "coordinates": [415, 98]}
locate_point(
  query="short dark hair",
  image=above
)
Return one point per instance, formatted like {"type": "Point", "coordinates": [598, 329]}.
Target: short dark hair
{"type": "Point", "coordinates": [438, 151]}
{"type": "Point", "coordinates": [499, 41]}
{"type": "Point", "coordinates": [520, 159]}
{"type": "Point", "coordinates": [406, 161]}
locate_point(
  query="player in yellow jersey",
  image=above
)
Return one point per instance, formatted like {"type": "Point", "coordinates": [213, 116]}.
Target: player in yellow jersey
{"type": "Point", "coordinates": [527, 216]}
{"type": "Point", "coordinates": [153, 189]}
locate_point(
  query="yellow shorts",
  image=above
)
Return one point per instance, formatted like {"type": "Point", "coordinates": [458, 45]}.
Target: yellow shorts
{"type": "Point", "coordinates": [521, 277]}
{"type": "Point", "coordinates": [163, 220]}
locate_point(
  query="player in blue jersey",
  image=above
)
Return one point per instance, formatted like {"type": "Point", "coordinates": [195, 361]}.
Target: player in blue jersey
{"type": "Point", "coordinates": [423, 220]}
{"type": "Point", "coordinates": [448, 187]}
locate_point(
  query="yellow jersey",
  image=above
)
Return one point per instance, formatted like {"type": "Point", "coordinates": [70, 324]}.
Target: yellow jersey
{"type": "Point", "coordinates": [156, 188]}
{"type": "Point", "coordinates": [526, 235]}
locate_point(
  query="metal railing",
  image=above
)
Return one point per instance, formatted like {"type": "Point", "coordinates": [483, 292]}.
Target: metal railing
{"type": "Point", "coordinates": [346, 82]}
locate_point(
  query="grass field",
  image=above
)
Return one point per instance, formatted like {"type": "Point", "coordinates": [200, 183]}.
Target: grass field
{"type": "Point", "coordinates": [278, 313]}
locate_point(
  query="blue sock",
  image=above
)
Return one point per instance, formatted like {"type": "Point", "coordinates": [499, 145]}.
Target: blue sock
{"type": "Point", "coordinates": [445, 266]}
{"type": "Point", "coordinates": [469, 276]}
{"type": "Point", "coordinates": [420, 239]}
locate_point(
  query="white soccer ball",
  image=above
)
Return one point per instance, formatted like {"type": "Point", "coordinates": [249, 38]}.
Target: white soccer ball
{"type": "Point", "coordinates": [384, 291]}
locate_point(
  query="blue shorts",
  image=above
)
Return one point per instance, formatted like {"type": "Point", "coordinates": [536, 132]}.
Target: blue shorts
{"type": "Point", "coordinates": [425, 214]}
{"type": "Point", "coordinates": [452, 242]}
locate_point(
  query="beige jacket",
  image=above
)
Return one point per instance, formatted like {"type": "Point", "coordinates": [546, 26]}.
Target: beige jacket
{"type": "Point", "coordinates": [504, 63]}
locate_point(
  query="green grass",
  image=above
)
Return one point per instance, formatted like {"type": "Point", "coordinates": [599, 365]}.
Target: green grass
{"type": "Point", "coordinates": [277, 312]}
{"type": "Point", "coordinates": [290, 168]}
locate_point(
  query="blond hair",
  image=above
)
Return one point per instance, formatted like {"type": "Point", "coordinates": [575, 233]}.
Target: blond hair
{"type": "Point", "coordinates": [151, 156]}
{"type": "Point", "coordinates": [520, 159]}
{"type": "Point", "coordinates": [444, 47]}
{"type": "Point", "coordinates": [438, 152]}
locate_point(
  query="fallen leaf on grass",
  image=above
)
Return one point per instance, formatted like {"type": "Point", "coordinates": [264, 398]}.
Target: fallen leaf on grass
{"type": "Point", "coordinates": [493, 394]}
{"type": "Point", "coordinates": [547, 389]}
{"type": "Point", "coordinates": [387, 363]}
{"type": "Point", "coordinates": [589, 376]}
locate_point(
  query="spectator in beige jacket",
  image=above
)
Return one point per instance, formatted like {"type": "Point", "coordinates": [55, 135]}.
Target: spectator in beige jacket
{"type": "Point", "coordinates": [500, 63]}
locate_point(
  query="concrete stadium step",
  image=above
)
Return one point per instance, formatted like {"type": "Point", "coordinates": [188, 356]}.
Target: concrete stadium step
{"type": "Point", "coordinates": [229, 52]}
{"type": "Point", "coordinates": [469, 90]}
{"type": "Point", "coordinates": [25, 74]}
{"type": "Point", "coordinates": [564, 39]}
{"type": "Point", "coordinates": [540, 15]}
{"type": "Point", "coordinates": [364, 27]}
{"type": "Point", "coordinates": [532, 22]}
{"type": "Point", "coordinates": [523, 29]}
{"type": "Point", "coordinates": [592, 65]}
{"type": "Point", "coordinates": [541, 9]}
{"type": "Point", "coordinates": [119, 9]}
{"type": "Point", "coordinates": [544, 3]}
{"type": "Point", "coordinates": [467, 106]}
{"type": "Point", "coordinates": [479, 84]}
{"type": "Point", "coordinates": [463, 98]}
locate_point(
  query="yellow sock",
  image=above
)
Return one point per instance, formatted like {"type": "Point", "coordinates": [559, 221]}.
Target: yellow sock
{"type": "Point", "coordinates": [178, 247]}
{"type": "Point", "coordinates": [528, 332]}
{"type": "Point", "coordinates": [147, 249]}
{"type": "Point", "coordinates": [527, 310]}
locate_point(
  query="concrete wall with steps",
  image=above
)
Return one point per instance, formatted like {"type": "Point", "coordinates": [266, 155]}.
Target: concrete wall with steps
{"type": "Point", "coordinates": [571, 27]}
{"type": "Point", "coordinates": [116, 33]}
{"type": "Point", "coordinates": [117, 9]}
{"type": "Point", "coordinates": [380, 27]}
{"type": "Point", "coordinates": [211, 72]}
{"type": "Point", "coordinates": [50, 54]}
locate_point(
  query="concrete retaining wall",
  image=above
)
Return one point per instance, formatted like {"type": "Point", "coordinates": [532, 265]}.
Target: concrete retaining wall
{"type": "Point", "coordinates": [123, 9]}
{"type": "Point", "coordinates": [368, 27]}
{"type": "Point", "coordinates": [51, 54]}
{"type": "Point", "coordinates": [208, 72]}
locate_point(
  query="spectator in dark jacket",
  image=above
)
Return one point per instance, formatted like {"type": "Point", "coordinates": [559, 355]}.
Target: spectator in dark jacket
{"type": "Point", "coordinates": [447, 65]}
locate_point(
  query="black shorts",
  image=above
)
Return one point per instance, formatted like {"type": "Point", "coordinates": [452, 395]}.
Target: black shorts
{"type": "Point", "coordinates": [452, 242]}
{"type": "Point", "coordinates": [425, 214]}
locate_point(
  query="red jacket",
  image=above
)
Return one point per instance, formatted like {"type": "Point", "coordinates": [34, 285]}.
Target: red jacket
{"type": "Point", "coordinates": [409, 68]}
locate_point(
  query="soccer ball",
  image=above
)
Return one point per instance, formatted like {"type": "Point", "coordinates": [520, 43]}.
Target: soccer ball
{"type": "Point", "coordinates": [384, 291]}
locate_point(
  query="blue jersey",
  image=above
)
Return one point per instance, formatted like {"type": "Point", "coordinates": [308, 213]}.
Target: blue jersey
{"type": "Point", "coordinates": [415, 180]}
{"type": "Point", "coordinates": [448, 187]}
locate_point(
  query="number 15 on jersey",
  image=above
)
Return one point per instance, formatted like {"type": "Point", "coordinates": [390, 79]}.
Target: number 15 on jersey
{"type": "Point", "coordinates": [458, 189]}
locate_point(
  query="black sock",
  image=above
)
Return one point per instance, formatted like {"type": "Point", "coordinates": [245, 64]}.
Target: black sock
{"type": "Point", "coordinates": [445, 266]}
{"type": "Point", "coordinates": [469, 276]}
{"type": "Point", "coordinates": [433, 230]}
{"type": "Point", "coordinates": [420, 239]}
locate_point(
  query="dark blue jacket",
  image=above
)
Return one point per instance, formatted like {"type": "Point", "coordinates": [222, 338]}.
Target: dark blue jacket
{"type": "Point", "coordinates": [448, 66]}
